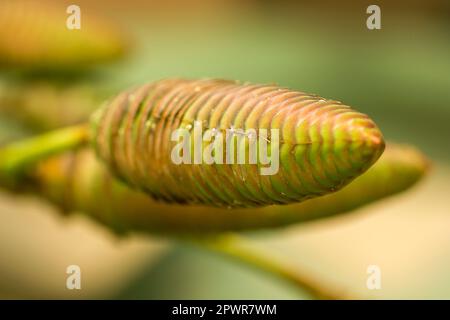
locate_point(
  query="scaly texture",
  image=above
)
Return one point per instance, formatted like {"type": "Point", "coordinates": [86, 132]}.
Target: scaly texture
{"type": "Point", "coordinates": [323, 144]}
{"type": "Point", "coordinates": [34, 35]}
{"type": "Point", "coordinates": [79, 182]}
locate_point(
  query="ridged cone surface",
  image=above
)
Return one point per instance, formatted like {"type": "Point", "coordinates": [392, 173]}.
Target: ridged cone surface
{"type": "Point", "coordinates": [323, 144]}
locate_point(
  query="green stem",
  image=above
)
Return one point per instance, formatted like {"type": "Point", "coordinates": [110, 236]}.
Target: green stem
{"type": "Point", "coordinates": [242, 250]}
{"type": "Point", "coordinates": [15, 157]}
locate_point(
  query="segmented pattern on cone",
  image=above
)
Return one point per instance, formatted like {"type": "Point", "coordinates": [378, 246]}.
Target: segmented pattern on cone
{"type": "Point", "coordinates": [323, 143]}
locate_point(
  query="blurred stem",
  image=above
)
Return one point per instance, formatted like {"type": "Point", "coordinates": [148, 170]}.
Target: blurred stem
{"type": "Point", "coordinates": [15, 157]}
{"type": "Point", "coordinates": [244, 251]}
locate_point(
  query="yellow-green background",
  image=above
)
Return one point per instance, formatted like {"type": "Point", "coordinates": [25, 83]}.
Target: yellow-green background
{"type": "Point", "coordinates": [399, 75]}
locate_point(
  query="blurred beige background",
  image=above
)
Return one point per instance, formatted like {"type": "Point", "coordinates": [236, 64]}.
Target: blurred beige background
{"type": "Point", "coordinates": [398, 75]}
